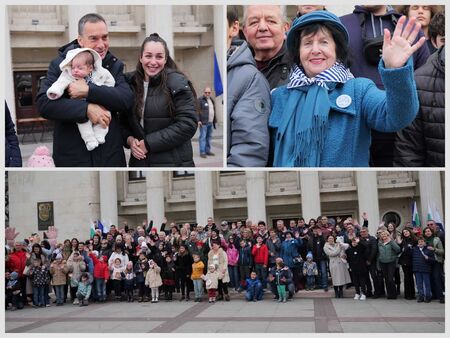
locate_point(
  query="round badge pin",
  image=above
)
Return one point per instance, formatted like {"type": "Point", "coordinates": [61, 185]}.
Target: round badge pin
{"type": "Point", "coordinates": [343, 101]}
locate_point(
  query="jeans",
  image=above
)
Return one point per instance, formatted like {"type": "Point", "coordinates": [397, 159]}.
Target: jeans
{"type": "Point", "coordinates": [423, 284]}
{"type": "Point", "coordinates": [261, 271]}
{"type": "Point", "coordinates": [310, 281]}
{"type": "Point", "coordinates": [205, 138]}
{"type": "Point", "coordinates": [100, 286]}
{"type": "Point", "coordinates": [254, 293]}
{"type": "Point", "coordinates": [38, 295]}
{"type": "Point", "coordinates": [234, 276]}
{"type": "Point", "coordinates": [323, 274]}
{"type": "Point", "coordinates": [59, 290]}
{"type": "Point", "coordinates": [198, 288]}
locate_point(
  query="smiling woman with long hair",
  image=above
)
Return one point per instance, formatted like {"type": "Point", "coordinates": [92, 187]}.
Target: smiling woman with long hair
{"type": "Point", "coordinates": [164, 116]}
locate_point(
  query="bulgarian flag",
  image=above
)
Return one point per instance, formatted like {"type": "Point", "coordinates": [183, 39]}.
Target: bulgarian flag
{"type": "Point", "coordinates": [433, 214]}
{"type": "Point", "coordinates": [92, 232]}
{"type": "Point", "coordinates": [415, 216]}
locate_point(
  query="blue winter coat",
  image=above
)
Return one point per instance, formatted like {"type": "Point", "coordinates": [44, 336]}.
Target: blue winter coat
{"type": "Point", "coordinates": [289, 250]}
{"type": "Point", "coordinates": [347, 139]}
{"type": "Point", "coordinates": [419, 263]}
{"type": "Point", "coordinates": [13, 157]}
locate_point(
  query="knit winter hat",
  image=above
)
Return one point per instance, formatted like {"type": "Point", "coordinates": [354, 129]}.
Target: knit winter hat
{"type": "Point", "coordinates": [309, 255]}
{"type": "Point", "coordinates": [314, 17]}
{"type": "Point", "coordinates": [13, 275]}
{"type": "Point", "coordinates": [41, 158]}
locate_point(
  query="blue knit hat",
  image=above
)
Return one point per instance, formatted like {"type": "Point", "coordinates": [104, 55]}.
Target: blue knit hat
{"type": "Point", "coordinates": [314, 17]}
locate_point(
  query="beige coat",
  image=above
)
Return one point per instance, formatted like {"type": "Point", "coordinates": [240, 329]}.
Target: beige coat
{"type": "Point", "coordinates": [59, 273]}
{"type": "Point", "coordinates": [223, 264]}
{"type": "Point", "coordinates": [153, 277]}
{"type": "Point", "coordinates": [338, 267]}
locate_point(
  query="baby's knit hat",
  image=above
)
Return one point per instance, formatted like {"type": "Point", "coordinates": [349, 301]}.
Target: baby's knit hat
{"type": "Point", "coordinates": [41, 158]}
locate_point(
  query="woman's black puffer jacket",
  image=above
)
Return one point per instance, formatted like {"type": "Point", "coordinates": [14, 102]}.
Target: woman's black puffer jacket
{"type": "Point", "coordinates": [167, 135]}
{"type": "Point", "coordinates": [422, 144]}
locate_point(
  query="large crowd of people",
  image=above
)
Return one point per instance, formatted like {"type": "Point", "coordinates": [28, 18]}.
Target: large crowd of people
{"type": "Point", "coordinates": [194, 261]}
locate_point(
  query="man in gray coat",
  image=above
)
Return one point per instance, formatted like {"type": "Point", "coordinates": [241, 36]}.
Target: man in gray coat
{"type": "Point", "coordinates": [248, 103]}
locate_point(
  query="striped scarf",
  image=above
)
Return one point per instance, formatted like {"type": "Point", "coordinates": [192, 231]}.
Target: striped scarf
{"type": "Point", "coordinates": [308, 104]}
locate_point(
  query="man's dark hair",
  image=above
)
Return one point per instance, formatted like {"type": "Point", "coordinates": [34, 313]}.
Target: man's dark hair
{"type": "Point", "coordinates": [92, 18]}
{"type": "Point", "coordinates": [232, 15]}
{"type": "Point", "coordinates": [342, 50]}
{"type": "Point", "coordinates": [437, 26]}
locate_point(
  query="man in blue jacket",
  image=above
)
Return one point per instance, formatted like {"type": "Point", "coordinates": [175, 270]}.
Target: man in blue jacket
{"type": "Point", "coordinates": [83, 102]}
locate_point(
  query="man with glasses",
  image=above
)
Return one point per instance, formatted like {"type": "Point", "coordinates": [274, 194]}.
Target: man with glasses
{"type": "Point", "coordinates": [206, 123]}
{"type": "Point", "coordinates": [437, 231]}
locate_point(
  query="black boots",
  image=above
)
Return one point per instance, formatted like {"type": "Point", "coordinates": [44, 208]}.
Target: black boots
{"type": "Point", "coordinates": [339, 291]}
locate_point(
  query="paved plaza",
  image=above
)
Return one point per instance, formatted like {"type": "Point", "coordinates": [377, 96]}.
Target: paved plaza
{"type": "Point", "coordinates": [308, 312]}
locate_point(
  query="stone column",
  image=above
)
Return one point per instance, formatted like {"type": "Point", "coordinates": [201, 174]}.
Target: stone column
{"type": "Point", "coordinates": [158, 19]}
{"type": "Point", "coordinates": [204, 206]}
{"type": "Point", "coordinates": [256, 196]}
{"type": "Point", "coordinates": [310, 190]}
{"type": "Point", "coordinates": [219, 48]}
{"type": "Point", "coordinates": [108, 197]}
{"type": "Point", "coordinates": [74, 14]}
{"type": "Point", "coordinates": [367, 185]}
{"type": "Point", "coordinates": [430, 194]}
{"type": "Point", "coordinates": [155, 197]}
{"type": "Point", "coordinates": [9, 79]}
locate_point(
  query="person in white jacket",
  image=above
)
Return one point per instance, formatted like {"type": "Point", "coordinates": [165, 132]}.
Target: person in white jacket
{"type": "Point", "coordinates": [83, 63]}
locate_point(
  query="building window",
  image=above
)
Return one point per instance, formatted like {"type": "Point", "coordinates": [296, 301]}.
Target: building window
{"type": "Point", "coordinates": [183, 173]}
{"type": "Point", "coordinates": [392, 216]}
{"type": "Point", "coordinates": [136, 175]}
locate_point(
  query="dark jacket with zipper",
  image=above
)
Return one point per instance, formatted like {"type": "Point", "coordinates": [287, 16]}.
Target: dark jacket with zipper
{"type": "Point", "coordinates": [422, 144]}
{"type": "Point", "coordinates": [69, 149]}
{"type": "Point", "coordinates": [167, 132]}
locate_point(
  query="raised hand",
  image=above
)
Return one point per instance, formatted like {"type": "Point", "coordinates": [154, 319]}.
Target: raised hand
{"type": "Point", "coordinates": [400, 47]}
{"type": "Point", "coordinates": [10, 236]}
{"type": "Point", "coordinates": [52, 234]}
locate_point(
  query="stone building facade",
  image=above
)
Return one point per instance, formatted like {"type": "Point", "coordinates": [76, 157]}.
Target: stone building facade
{"type": "Point", "coordinates": [79, 197]}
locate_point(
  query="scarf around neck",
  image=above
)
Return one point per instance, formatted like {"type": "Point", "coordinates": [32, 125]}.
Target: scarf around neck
{"type": "Point", "coordinates": [307, 111]}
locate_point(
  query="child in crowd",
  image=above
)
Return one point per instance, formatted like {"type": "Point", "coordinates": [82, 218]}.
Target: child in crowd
{"type": "Point", "coordinates": [212, 282]}
{"type": "Point", "coordinates": [140, 270]}
{"type": "Point", "coordinates": [130, 279]}
{"type": "Point", "coordinates": [83, 63]}
{"type": "Point", "coordinates": [244, 263]}
{"type": "Point", "coordinates": [59, 270]}
{"type": "Point", "coordinates": [310, 271]}
{"type": "Point", "coordinates": [254, 288]}
{"type": "Point", "coordinates": [76, 266]}
{"type": "Point", "coordinates": [13, 293]}
{"type": "Point", "coordinates": [39, 275]}
{"type": "Point", "coordinates": [197, 271]}
{"type": "Point", "coordinates": [356, 257]}
{"type": "Point", "coordinates": [281, 276]}
{"type": "Point", "coordinates": [422, 258]}
{"type": "Point", "coordinates": [84, 289]}
{"type": "Point", "coordinates": [153, 280]}
{"type": "Point", "coordinates": [168, 277]}
{"type": "Point", "coordinates": [233, 258]}
{"type": "Point", "coordinates": [117, 270]}
{"type": "Point", "coordinates": [101, 275]}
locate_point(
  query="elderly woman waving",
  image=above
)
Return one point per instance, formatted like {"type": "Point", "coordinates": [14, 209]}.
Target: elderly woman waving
{"type": "Point", "coordinates": [323, 116]}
